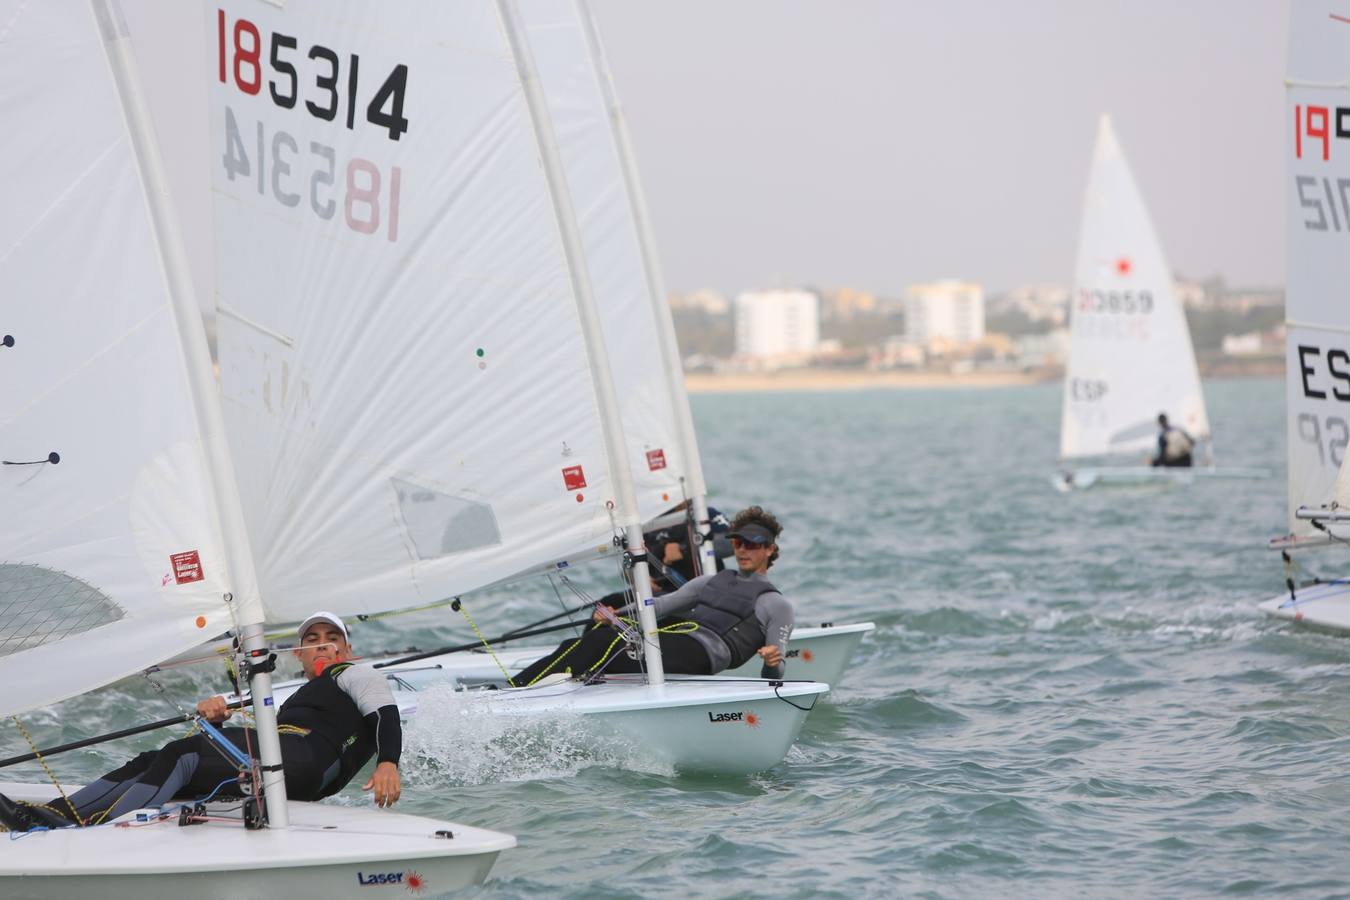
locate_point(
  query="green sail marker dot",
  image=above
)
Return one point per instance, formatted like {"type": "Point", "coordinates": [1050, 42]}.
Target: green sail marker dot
{"type": "Point", "coordinates": [480, 353]}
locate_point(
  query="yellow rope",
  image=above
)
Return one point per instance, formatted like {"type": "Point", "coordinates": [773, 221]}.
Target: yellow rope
{"type": "Point", "coordinates": [560, 657]}
{"type": "Point", "coordinates": [674, 628]}
{"type": "Point", "coordinates": [474, 626]}
{"type": "Point", "coordinates": [29, 738]}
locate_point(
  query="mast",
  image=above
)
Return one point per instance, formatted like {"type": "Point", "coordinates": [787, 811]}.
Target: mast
{"type": "Point", "coordinates": [205, 394]}
{"type": "Point", "coordinates": [625, 498]}
{"type": "Point", "coordinates": [651, 265]}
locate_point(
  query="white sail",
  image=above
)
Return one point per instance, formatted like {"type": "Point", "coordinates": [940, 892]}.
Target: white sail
{"type": "Point", "coordinates": [1317, 344]}
{"type": "Point", "coordinates": [111, 558]}
{"type": "Point", "coordinates": [411, 409]}
{"type": "Point", "coordinates": [577, 108]}
{"type": "Point", "coordinates": [1131, 356]}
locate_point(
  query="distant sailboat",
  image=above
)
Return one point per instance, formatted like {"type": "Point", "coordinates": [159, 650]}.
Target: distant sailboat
{"type": "Point", "coordinates": [1317, 344]}
{"type": "Point", "coordinates": [1130, 354]}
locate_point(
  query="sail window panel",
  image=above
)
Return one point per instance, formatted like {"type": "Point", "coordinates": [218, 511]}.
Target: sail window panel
{"type": "Point", "coordinates": [42, 606]}
{"type": "Point", "coordinates": [440, 524]}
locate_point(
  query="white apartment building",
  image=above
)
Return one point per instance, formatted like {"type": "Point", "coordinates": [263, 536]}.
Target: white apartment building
{"type": "Point", "coordinates": [777, 323]}
{"type": "Point", "coordinates": [944, 310]}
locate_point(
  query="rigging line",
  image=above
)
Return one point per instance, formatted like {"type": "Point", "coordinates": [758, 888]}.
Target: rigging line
{"type": "Point", "coordinates": [777, 685]}
{"type": "Point", "coordinates": [576, 592]}
{"type": "Point", "coordinates": [544, 621]}
{"type": "Point", "coordinates": [237, 669]}
{"type": "Point", "coordinates": [459, 607]}
{"type": "Point", "coordinates": [103, 738]}
{"type": "Point", "coordinates": [37, 754]}
{"type": "Point", "coordinates": [561, 604]}
{"type": "Point", "coordinates": [390, 613]}
{"type": "Point", "coordinates": [426, 654]}
{"type": "Point", "coordinates": [634, 642]}
{"type": "Point", "coordinates": [551, 666]}
{"type": "Point", "coordinates": [1332, 536]}
{"type": "Point", "coordinates": [1289, 574]}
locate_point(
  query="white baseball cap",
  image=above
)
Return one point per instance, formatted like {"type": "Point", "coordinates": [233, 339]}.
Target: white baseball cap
{"type": "Point", "coordinates": [324, 615]}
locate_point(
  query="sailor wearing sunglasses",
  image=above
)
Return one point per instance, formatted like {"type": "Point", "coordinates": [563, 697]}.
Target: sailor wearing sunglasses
{"type": "Point", "coordinates": [711, 623]}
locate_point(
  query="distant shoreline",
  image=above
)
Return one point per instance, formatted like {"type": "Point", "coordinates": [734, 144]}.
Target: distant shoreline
{"type": "Point", "coordinates": [844, 380]}
{"type": "Point", "coordinates": [787, 380]}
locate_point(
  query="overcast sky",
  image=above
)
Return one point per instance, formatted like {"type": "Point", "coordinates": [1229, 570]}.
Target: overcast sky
{"type": "Point", "coordinates": [877, 143]}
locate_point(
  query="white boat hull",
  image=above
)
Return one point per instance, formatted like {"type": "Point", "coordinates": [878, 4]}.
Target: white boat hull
{"type": "Point", "coordinates": [1144, 476]}
{"type": "Point", "coordinates": [815, 653]}
{"type": "Point", "coordinates": [713, 724]}
{"type": "Point", "coordinates": [726, 726]}
{"type": "Point", "coordinates": [1324, 606]}
{"type": "Point", "coordinates": [329, 851]}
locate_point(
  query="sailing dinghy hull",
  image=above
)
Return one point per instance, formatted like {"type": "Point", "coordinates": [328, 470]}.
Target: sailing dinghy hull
{"type": "Point", "coordinates": [713, 724]}
{"type": "Point", "coordinates": [1149, 476]}
{"type": "Point", "coordinates": [1325, 606]}
{"type": "Point", "coordinates": [817, 653]}
{"type": "Point", "coordinates": [329, 851]}
{"type": "Point", "coordinates": [705, 724]}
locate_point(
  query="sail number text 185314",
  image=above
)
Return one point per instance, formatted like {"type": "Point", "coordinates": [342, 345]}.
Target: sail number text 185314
{"type": "Point", "coordinates": [275, 160]}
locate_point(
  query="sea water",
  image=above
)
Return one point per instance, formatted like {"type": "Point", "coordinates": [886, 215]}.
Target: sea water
{"type": "Point", "coordinates": [1066, 694]}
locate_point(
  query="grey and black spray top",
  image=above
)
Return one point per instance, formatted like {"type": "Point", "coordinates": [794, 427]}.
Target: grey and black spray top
{"type": "Point", "coordinates": [736, 614]}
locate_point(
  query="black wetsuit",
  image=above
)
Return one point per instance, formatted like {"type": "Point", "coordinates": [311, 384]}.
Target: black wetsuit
{"type": "Point", "coordinates": [732, 616]}
{"type": "Point", "coordinates": [1175, 461]}
{"type": "Point", "coordinates": [329, 730]}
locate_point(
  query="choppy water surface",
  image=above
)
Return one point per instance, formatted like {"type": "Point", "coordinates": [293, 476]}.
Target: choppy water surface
{"type": "Point", "coordinates": [1066, 694]}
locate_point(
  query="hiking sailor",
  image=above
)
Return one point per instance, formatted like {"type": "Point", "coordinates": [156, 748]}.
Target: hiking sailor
{"type": "Point", "coordinates": [341, 717]}
{"type": "Point", "coordinates": [713, 622]}
{"type": "Point", "coordinates": [1174, 445]}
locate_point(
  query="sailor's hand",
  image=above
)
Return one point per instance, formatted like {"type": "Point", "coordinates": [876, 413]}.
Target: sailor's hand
{"type": "Point", "coordinates": [214, 709]}
{"type": "Point", "coordinates": [672, 554]}
{"type": "Point", "coordinates": [771, 655]}
{"type": "Point", "coordinates": [385, 783]}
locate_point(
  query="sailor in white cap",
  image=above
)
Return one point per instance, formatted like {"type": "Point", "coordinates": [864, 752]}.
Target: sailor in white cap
{"type": "Point", "coordinates": [329, 729]}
